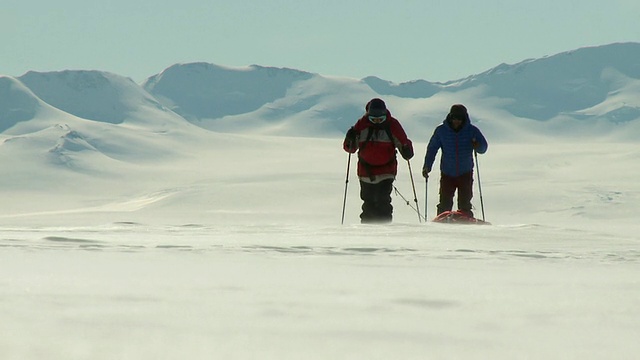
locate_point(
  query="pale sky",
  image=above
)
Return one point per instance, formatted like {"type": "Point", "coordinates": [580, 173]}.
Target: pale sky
{"type": "Point", "coordinates": [399, 40]}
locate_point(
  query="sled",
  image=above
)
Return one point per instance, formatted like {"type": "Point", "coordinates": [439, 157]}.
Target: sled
{"type": "Point", "coordinates": [458, 217]}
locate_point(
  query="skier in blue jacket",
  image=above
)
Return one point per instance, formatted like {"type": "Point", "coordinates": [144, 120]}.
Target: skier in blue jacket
{"type": "Point", "coordinates": [458, 139]}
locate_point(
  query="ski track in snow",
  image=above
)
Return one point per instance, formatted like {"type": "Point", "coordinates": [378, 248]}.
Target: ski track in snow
{"type": "Point", "coordinates": [439, 241]}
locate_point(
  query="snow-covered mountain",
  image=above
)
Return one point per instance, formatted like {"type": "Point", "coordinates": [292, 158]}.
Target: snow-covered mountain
{"type": "Point", "coordinates": [259, 99]}
{"type": "Point", "coordinates": [90, 128]}
{"type": "Point", "coordinates": [100, 96]}
{"type": "Point", "coordinates": [156, 221]}
{"type": "Point", "coordinates": [208, 91]}
{"type": "Point", "coordinates": [596, 87]}
{"type": "Point", "coordinates": [592, 85]}
{"type": "Point", "coordinates": [570, 84]}
{"type": "Point", "coordinates": [87, 121]}
{"type": "Point", "coordinates": [589, 91]}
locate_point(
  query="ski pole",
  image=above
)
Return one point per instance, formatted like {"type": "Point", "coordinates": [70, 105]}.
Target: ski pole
{"type": "Point", "coordinates": [426, 192]}
{"type": "Point", "coordinates": [479, 184]}
{"type": "Point", "coordinates": [405, 199]}
{"type": "Point", "coordinates": [415, 197]}
{"type": "Point", "coordinates": [346, 183]}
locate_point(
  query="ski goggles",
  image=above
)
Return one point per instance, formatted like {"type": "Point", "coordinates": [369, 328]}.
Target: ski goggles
{"type": "Point", "coordinates": [377, 119]}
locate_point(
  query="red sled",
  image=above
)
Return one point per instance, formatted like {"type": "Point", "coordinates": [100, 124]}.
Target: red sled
{"type": "Point", "coordinates": [458, 217]}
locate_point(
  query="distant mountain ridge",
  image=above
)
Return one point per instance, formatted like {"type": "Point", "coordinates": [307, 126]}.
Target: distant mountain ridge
{"type": "Point", "coordinates": [584, 86]}
{"type": "Point", "coordinates": [93, 95]}
{"type": "Point", "coordinates": [17, 103]}
{"type": "Point", "coordinates": [562, 83]}
{"type": "Point", "coordinates": [72, 118]}
{"type": "Point", "coordinates": [202, 90]}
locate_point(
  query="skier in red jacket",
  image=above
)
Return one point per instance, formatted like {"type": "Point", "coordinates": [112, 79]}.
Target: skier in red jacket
{"type": "Point", "coordinates": [376, 136]}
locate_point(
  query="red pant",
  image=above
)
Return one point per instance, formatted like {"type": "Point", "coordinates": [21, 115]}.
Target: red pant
{"type": "Point", "coordinates": [448, 187]}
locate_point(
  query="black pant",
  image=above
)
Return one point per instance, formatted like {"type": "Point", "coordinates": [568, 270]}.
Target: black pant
{"type": "Point", "coordinates": [448, 187]}
{"type": "Point", "coordinates": [376, 206]}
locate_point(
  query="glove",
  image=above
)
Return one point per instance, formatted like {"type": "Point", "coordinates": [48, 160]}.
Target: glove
{"type": "Point", "coordinates": [475, 144]}
{"type": "Point", "coordinates": [351, 139]}
{"type": "Point", "coordinates": [406, 152]}
{"type": "Point", "coordinates": [425, 173]}
{"type": "Point", "coordinates": [351, 134]}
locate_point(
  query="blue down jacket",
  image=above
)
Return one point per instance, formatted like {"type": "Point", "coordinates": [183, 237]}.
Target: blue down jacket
{"type": "Point", "coordinates": [457, 148]}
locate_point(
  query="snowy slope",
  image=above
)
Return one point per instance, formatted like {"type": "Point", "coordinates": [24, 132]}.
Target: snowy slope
{"type": "Point", "coordinates": [103, 127]}
{"type": "Point", "coordinates": [540, 95]}
{"type": "Point", "coordinates": [585, 92]}
{"type": "Point", "coordinates": [208, 91]}
{"type": "Point", "coordinates": [564, 83]}
{"type": "Point", "coordinates": [52, 159]}
{"type": "Point", "coordinates": [239, 253]}
{"type": "Point", "coordinates": [128, 232]}
{"type": "Point", "coordinates": [100, 96]}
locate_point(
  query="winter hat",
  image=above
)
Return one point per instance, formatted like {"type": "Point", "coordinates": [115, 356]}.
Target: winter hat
{"type": "Point", "coordinates": [458, 111]}
{"type": "Point", "coordinates": [376, 107]}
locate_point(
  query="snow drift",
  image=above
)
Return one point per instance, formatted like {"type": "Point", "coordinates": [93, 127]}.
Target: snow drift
{"type": "Point", "coordinates": [126, 231]}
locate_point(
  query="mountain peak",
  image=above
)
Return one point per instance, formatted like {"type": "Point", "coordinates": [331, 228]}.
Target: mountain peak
{"type": "Point", "coordinates": [566, 82]}
{"type": "Point", "coordinates": [587, 85]}
{"type": "Point", "coordinates": [17, 103]}
{"type": "Point", "coordinates": [89, 94]}
{"type": "Point", "coordinates": [209, 91]}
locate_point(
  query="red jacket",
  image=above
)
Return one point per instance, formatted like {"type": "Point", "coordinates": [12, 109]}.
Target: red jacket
{"type": "Point", "coordinates": [377, 145]}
